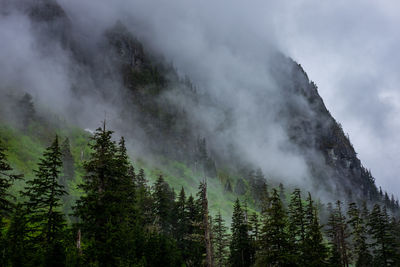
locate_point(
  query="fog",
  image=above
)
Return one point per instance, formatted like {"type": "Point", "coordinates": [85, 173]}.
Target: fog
{"type": "Point", "coordinates": [227, 49]}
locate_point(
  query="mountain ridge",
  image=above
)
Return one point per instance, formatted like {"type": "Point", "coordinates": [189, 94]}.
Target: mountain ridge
{"type": "Point", "coordinates": [145, 110]}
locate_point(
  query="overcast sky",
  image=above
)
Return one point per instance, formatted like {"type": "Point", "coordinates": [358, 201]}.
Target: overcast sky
{"type": "Point", "coordinates": [351, 50]}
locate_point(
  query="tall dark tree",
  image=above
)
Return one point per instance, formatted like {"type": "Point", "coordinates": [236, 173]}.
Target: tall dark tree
{"type": "Point", "coordinates": [297, 224]}
{"type": "Point", "coordinates": [6, 181]}
{"type": "Point", "coordinates": [384, 245]}
{"type": "Point", "coordinates": [19, 250]}
{"type": "Point", "coordinates": [205, 226]}
{"type": "Point", "coordinates": [254, 227]}
{"type": "Point", "coordinates": [314, 250]}
{"type": "Point", "coordinates": [276, 249]}
{"type": "Point", "coordinates": [339, 234]}
{"type": "Point", "coordinates": [361, 255]}
{"type": "Point", "coordinates": [241, 252]}
{"type": "Point", "coordinates": [220, 241]}
{"type": "Point", "coordinates": [43, 195]}
{"type": "Point", "coordinates": [104, 209]}
{"type": "Point", "coordinates": [163, 204]}
{"type": "Point", "coordinates": [180, 221]}
{"type": "Point", "coordinates": [195, 235]}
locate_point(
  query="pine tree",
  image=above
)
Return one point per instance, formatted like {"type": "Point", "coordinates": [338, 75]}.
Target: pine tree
{"type": "Point", "coordinates": [143, 198]}
{"type": "Point", "coordinates": [220, 241]}
{"type": "Point", "coordinates": [163, 205]}
{"type": "Point", "coordinates": [105, 207]}
{"type": "Point", "coordinates": [384, 246]}
{"type": "Point", "coordinates": [43, 205]}
{"type": "Point", "coordinates": [240, 246]}
{"type": "Point", "coordinates": [195, 234]}
{"type": "Point", "coordinates": [297, 227]}
{"type": "Point", "coordinates": [205, 226]}
{"type": "Point", "coordinates": [19, 250]}
{"type": "Point", "coordinates": [254, 227]}
{"type": "Point", "coordinates": [361, 255]}
{"type": "Point", "coordinates": [6, 181]}
{"type": "Point", "coordinates": [6, 198]}
{"type": "Point", "coordinates": [180, 221]}
{"type": "Point", "coordinates": [314, 249]}
{"type": "Point", "coordinates": [339, 234]}
{"type": "Point", "coordinates": [276, 249]}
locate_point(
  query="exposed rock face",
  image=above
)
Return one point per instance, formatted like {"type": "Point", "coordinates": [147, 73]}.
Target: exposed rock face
{"type": "Point", "coordinates": [170, 130]}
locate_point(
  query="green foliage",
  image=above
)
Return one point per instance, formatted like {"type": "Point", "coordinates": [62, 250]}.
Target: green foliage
{"type": "Point", "coordinates": [45, 220]}
{"type": "Point", "coordinates": [220, 241]}
{"type": "Point", "coordinates": [385, 247]}
{"type": "Point", "coordinates": [275, 248]}
{"type": "Point", "coordinates": [132, 218]}
{"type": "Point", "coordinates": [361, 255]}
{"type": "Point", "coordinates": [241, 250]}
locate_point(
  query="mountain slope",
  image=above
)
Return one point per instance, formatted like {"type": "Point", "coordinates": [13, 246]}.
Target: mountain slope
{"type": "Point", "coordinates": [165, 116]}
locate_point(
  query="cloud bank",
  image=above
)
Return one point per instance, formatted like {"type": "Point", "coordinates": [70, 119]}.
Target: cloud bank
{"type": "Point", "coordinates": [225, 47]}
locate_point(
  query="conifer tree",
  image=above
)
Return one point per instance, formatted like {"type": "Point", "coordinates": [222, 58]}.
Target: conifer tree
{"type": "Point", "coordinates": [43, 204]}
{"type": "Point", "coordinates": [18, 250]}
{"type": "Point", "coordinates": [276, 249]}
{"type": "Point", "coordinates": [220, 241]}
{"type": "Point", "coordinates": [143, 198]}
{"type": "Point", "coordinates": [6, 181]}
{"type": "Point", "coordinates": [163, 204]}
{"type": "Point", "coordinates": [195, 234]}
{"type": "Point", "coordinates": [254, 227]}
{"type": "Point", "coordinates": [205, 226]}
{"type": "Point", "coordinates": [361, 255]}
{"type": "Point", "coordinates": [314, 249]}
{"type": "Point", "coordinates": [181, 221]}
{"type": "Point", "coordinates": [240, 246]}
{"type": "Point", "coordinates": [297, 227]}
{"type": "Point", "coordinates": [384, 245]}
{"type": "Point", "coordinates": [339, 234]}
{"type": "Point", "coordinates": [104, 209]}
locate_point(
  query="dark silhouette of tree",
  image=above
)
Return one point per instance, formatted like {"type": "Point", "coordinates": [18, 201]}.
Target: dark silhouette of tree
{"type": "Point", "coordinates": [45, 218]}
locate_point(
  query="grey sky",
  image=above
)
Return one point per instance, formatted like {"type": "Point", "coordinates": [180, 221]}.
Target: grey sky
{"type": "Point", "coordinates": [350, 49]}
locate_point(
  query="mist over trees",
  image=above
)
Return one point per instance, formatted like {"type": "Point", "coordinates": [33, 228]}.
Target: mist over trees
{"type": "Point", "coordinates": [120, 220]}
{"type": "Point", "coordinates": [242, 132]}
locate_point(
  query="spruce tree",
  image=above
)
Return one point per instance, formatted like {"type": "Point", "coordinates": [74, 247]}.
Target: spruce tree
{"type": "Point", "coordinates": [7, 179]}
{"type": "Point", "coordinates": [276, 249]}
{"type": "Point", "coordinates": [297, 227]}
{"type": "Point", "coordinates": [314, 249]}
{"type": "Point", "coordinates": [220, 241]}
{"type": "Point", "coordinates": [240, 246]}
{"type": "Point", "coordinates": [339, 234]}
{"type": "Point", "coordinates": [384, 244]}
{"type": "Point", "coordinates": [104, 209]}
{"type": "Point", "coordinates": [163, 205]}
{"type": "Point", "coordinates": [254, 227]}
{"type": "Point", "coordinates": [43, 204]}
{"type": "Point", "coordinates": [18, 250]}
{"type": "Point", "coordinates": [180, 221]}
{"type": "Point", "coordinates": [195, 234]}
{"type": "Point", "coordinates": [205, 225]}
{"type": "Point", "coordinates": [361, 254]}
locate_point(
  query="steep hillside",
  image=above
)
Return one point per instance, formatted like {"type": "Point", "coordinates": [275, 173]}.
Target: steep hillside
{"type": "Point", "coordinates": [167, 119]}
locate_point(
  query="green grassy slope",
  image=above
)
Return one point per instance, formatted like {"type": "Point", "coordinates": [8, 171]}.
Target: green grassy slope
{"type": "Point", "coordinates": [25, 148]}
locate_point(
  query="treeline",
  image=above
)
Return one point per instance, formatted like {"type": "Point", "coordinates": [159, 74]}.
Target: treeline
{"type": "Point", "coordinates": [120, 220]}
